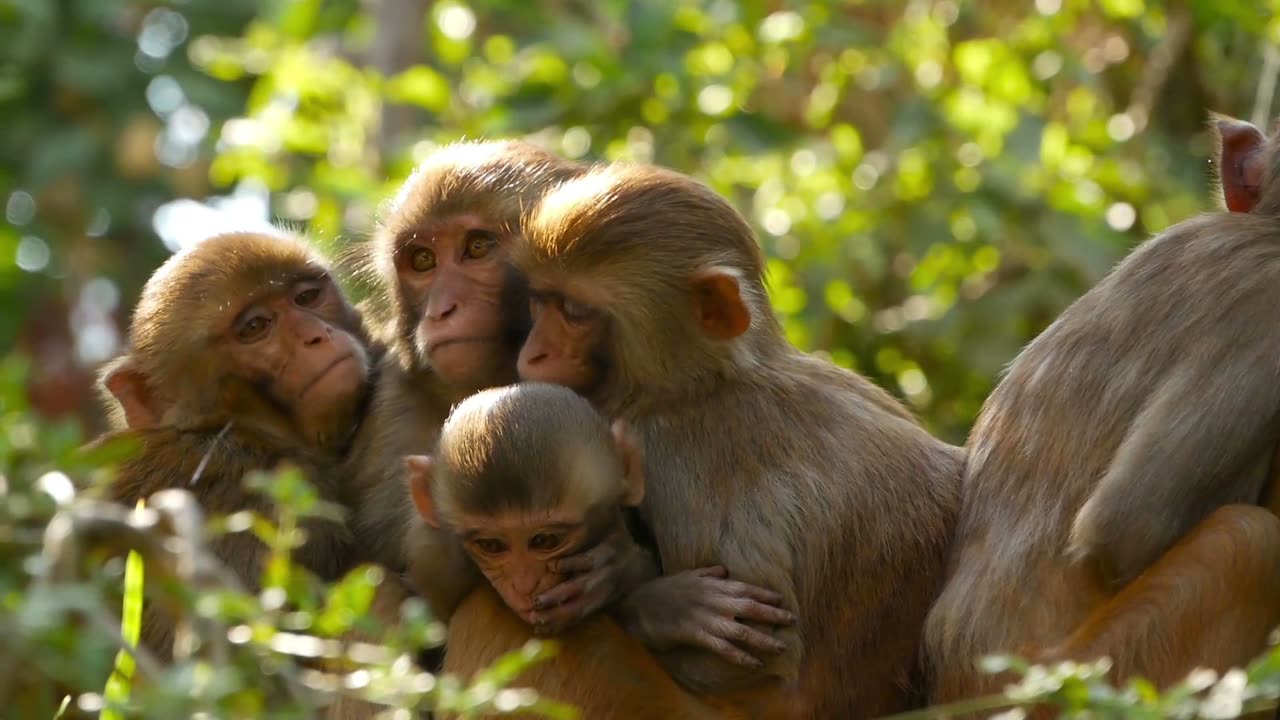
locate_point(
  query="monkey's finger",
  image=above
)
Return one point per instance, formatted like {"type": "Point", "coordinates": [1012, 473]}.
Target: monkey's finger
{"type": "Point", "coordinates": [726, 650]}
{"type": "Point", "coordinates": [715, 571]}
{"type": "Point", "coordinates": [751, 638]}
{"type": "Point", "coordinates": [561, 593]}
{"type": "Point", "coordinates": [763, 595]}
{"type": "Point", "coordinates": [760, 612]}
{"type": "Point", "coordinates": [738, 589]}
{"type": "Point", "coordinates": [596, 557]}
{"type": "Point", "coordinates": [561, 617]}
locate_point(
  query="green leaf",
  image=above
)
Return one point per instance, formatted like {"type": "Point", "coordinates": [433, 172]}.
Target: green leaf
{"type": "Point", "coordinates": [349, 600]}
{"type": "Point", "coordinates": [421, 86]}
{"type": "Point", "coordinates": [116, 693]}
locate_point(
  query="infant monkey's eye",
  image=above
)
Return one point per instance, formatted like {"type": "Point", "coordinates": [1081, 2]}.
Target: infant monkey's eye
{"type": "Point", "coordinates": [490, 546]}
{"type": "Point", "coordinates": [545, 541]}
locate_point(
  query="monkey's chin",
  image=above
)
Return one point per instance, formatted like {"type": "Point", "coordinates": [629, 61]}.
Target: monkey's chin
{"type": "Point", "coordinates": [343, 380]}
{"type": "Point", "coordinates": [581, 381]}
{"type": "Point", "coordinates": [472, 364]}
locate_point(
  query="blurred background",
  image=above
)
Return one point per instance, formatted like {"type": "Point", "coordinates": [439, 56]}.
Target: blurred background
{"type": "Point", "coordinates": [933, 180]}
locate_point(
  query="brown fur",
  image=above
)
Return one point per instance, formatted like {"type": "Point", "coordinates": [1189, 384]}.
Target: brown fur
{"type": "Point", "coordinates": [1136, 420]}
{"type": "Point", "coordinates": [170, 457]}
{"type": "Point", "coordinates": [600, 669]}
{"type": "Point", "coordinates": [798, 476]}
{"type": "Point", "coordinates": [205, 426]}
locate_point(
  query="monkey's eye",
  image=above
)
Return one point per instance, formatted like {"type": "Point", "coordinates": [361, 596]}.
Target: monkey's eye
{"type": "Point", "coordinates": [480, 243]}
{"type": "Point", "coordinates": [489, 546]}
{"type": "Point", "coordinates": [545, 542]}
{"type": "Point", "coordinates": [253, 329]}
{"type": "Point", "coordinates": [423, 259]}
{"type": "Point", "coordinates": [307, 297]}
{"type": "Point", "coordinates": [574, 311]}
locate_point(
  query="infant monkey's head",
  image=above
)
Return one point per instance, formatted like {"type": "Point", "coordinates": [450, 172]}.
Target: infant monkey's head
{"type": "Point", "coordinates": [523, 475]}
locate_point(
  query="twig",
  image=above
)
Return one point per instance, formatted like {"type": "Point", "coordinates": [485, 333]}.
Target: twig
{"type": "Point", "coordinates": [1159, 65]}
{"type": "Point", "coordinates": [1266, 84]}
{"type": "Point", "coordinates": [204, 461]}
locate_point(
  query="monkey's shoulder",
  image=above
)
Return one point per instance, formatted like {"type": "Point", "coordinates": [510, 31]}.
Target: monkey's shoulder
{"type": "Point", "coordinates": [207, 461]}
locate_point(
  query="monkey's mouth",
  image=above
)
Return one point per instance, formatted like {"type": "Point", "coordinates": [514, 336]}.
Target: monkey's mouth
{"type": "Point", "coordinates": [325, 372]}
{"type": "Point", "coordinates": [451, 342]}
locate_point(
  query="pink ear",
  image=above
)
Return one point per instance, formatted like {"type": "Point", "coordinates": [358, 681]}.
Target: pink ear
{"type": "Point", "coordinates": [718, 305]}
{"type": "Point", "coordinates": [128, 386]}
{"type": "Point", "coordinates": [420, 472]}
{"type": "Point", "coordinates": [1240, 159]}
{"type": "Point", "coordinates": [625, 444]}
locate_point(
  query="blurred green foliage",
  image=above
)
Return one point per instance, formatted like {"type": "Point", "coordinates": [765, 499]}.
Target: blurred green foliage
{"type": "Point", "coordinates": [933, 180]}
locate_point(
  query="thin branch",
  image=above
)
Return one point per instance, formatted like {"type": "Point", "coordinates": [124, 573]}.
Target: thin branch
{"type": "Point", "coordinates": [1266, 84]}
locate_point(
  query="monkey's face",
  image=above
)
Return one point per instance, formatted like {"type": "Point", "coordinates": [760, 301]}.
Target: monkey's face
{"type": "Point", "coordinates": [454, 274]}
{"type": "Point", "coordinates": [567, 344]}
{"type": "Point", "coordinates": [298, 344]}
{"type": "Point", "coordinates": [516, 550]}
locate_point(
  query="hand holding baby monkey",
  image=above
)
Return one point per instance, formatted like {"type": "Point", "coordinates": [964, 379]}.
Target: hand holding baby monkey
{"type": "Point", "coordinates": [538, 490]}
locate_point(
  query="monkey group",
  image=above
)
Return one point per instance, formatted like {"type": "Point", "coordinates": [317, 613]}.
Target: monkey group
{"type": "Point", "coordinates": [567, 408]}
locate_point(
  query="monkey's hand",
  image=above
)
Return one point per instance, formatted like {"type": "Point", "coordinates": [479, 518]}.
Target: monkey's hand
{"type": "Point", "coordinates": [703, 608]}
{"type": "Point", "coordinates": [596, 578]}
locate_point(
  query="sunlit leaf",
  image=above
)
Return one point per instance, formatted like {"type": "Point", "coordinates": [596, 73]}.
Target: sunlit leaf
{"type": "Point", "coordinates": [422, 86]}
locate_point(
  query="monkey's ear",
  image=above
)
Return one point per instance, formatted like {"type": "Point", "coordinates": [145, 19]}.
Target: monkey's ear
{"type": "Point", "coordinates": [126, 383]}
{"type": "Point", "coordinates": [718, 305]}
{"type": "Point", "coordinates": [421, 471]}
{"type": "Point", "coordinates": [626, 445]}
{"type": "Point", "coordinates": [1240, 162]}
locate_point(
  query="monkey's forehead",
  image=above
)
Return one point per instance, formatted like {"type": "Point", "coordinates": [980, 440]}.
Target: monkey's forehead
{"type": "Point", "coordinates": [203, 287]}
{"type": "Point", "coordinates": [234, 260]}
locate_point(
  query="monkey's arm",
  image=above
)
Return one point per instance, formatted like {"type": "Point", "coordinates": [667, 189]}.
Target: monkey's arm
{"type": "Point", "coordinates": [1208, 426]}
{"type": "Point", "coordinates": [725, 627]}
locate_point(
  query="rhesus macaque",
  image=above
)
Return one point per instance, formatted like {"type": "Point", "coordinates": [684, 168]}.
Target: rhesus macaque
{"type": "Point", "coordinates": [454, 315]}
{"type": "Point", "coordinates": [1112, 481]}
{"type": "Point", "coordinates": [795, 475]}
{"type": "Point", "coordinates": [242, 354]}
{"type": "Point", "coordinates": [523, 477]}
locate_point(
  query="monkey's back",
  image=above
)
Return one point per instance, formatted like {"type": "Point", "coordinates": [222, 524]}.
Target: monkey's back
{"type": "Point", "coordinates": [823, 477]}
{"type": "Point", "coordinates": [1196, 301]}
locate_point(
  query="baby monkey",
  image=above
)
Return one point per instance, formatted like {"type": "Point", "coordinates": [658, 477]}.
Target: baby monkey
{"type": "Point", "coordinates": [525, 478]}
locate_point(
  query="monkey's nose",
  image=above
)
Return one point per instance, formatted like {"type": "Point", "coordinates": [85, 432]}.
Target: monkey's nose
{"type": "Point", "coordinates": [436, 314]}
